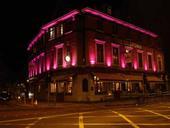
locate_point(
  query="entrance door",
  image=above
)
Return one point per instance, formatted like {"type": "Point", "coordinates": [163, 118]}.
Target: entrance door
{"type": "Point", "coordinates": [60, 91]}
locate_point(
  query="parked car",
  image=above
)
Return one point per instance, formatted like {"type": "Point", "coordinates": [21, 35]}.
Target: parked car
{"type": "Point", "coordinates": [5, 96]}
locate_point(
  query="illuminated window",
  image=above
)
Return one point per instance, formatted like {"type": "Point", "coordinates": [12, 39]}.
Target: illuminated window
{"type": "Point", "coordinates": [52, 88]}
{"type": "Point", "coordinates": [100, 88]}
{"type": "Point", "coordinates": [150, 61]}
{"type": "Point", "coordinates": [100, 53]}
{"type": "Point", "coordinates": [118, 86]}
{"type": "Point", "coordinates": [128, 57]}
{"type": "Point", "coordinates": [60, 56]}
{"type": "Point", "coordinates": [140, 60]}
{"type": "Point", "coordinates": [61, 87]}
{"type": "Point", "coordinates": [52, 33]}
{"type": "Point", "coordinates": [69, 88]}
{"type": "Point", "coordinates": [115, 54]}
{"type": "Point", "coordinates": [59, 30]}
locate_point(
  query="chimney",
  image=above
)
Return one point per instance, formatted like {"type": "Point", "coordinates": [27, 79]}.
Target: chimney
{"type": "Point", "coordinates": [109, 10]}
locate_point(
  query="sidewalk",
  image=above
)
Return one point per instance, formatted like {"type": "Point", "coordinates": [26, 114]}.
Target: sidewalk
{"type": "Point", "coordinates": [76, 105]}
{"type": "Point", "coordinates": [81, 104]}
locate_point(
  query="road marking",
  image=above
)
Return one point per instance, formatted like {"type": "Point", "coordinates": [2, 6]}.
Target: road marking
{"type": "Point", "coordinates": [156, 113]}
{"type": "Point", "coordinates": [128, 120]}
{"type": "Point", "coordinates": [81, 124]}
{"type": "Point", "coordinates": [118, 124]}
{"type": "Point", "coordinates": [104, 124]}
{"type": "Point", "coordinates": [33, 123]}
{"type": "Point", "coordinates": [46, 117]}
{"type": "Point", "coordinates": [33, 118]}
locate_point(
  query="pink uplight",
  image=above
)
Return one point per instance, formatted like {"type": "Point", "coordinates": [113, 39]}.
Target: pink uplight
{"type": "Point", "coordinates": [48, 63]}
{"type": "Point", "coordinates": [74, 56]}
{"type": "Point", "coordinates": [92, 62]}
{"type": "Point", "coordinates": [55, 60]}
{"type": "Point", "coordinates": [135, 65]}
{"type": "Point", "coordinates": [146, 67]}
{"type": "Point", "coordinates": [108, 61]}
{"type": "Point", "coordinates": [123, 61]}
{"type": "Point", "coordinates": [73, 63]}
{"type": "Point", "coordinates": [92, 55]}
{"type": "Point", "coordinates": [154, 68]}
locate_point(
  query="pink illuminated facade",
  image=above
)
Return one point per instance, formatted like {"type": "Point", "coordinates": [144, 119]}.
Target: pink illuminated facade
{"type": "Point", "coordinates": [86, 55]}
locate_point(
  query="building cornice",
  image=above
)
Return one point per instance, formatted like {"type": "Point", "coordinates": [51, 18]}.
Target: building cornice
{"type": "Point", "coordinates": [45, 27]}
{"type": "Point", "coordinates": [118, 21]}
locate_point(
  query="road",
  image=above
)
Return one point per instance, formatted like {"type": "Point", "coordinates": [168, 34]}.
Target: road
{"type": "Point", "coordinates": [148, 116]}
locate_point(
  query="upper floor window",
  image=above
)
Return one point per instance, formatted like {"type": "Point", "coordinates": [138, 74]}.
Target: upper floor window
{"type": "Point", "coordinates": [59, 30]}
{"type": "Point", "coordinates": [100, 53]}
{"type": "Point", "coordinates": [140, 60]}
{"type": "Point", "coordinates": [67, 26]}
{"type": "Point", "coordinates": [99, 24]}
{"type": "Point", "coordinates": [115, 55]}
{"type": "Point", "coordinates": [60, 56]}
{"type": "Point", "coordinates": [150, 61]}
{"type": "Point", "coordinates": [129, 57]}
{"type": "Point", "coordinates": [52, 33]}
{"type": "Point", "coordinates": [115, 28]}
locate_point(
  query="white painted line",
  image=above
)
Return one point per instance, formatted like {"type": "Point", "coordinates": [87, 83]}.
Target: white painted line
{"type": "Point", "coordinates": [128, 120]}
{"type": "Point", "coordinates": [35, 118]}
{"type": "Point", "coordinates": [156, 113]}
{"type": "Point", "coordinates": [33, 123]}
{"type": "Point", "coordinates": [81, 124]}
{"type": "Point", "coordinates": [104, 124]}
{"type": "Point", "coordinates": [141, 124]}
{"type": "Point", "coordinates": [152, 124]}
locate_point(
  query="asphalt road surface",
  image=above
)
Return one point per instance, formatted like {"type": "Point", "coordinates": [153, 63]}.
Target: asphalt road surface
{"type": "Point", "coordinates": [149, 116]}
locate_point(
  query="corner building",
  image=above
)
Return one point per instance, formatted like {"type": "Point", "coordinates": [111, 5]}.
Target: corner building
{"type": "Point", "coordinates": [87, 55]}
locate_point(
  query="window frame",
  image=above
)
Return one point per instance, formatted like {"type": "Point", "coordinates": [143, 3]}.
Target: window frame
{"type": "Point", "coordinates": [102, 43]}
{"type": "Point", "coordinates": [150, 54]}
{"type": "Point", "coordinates": [140, 52]}
{"type": "Point", "coordinates": [118, 47]}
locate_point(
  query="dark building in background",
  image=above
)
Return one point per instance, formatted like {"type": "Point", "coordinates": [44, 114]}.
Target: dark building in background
{"type": "Point", "coordinates": [87, 54]}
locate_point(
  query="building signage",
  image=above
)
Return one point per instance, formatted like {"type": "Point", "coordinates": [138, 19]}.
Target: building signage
{"type": "Point", "coordinates": [134, 45]}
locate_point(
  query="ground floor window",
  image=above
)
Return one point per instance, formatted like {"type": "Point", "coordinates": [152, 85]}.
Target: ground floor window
{"type": "Point", "coordinates": [68, 90]}
{"type": "Point", "coordinates": [157, 87]}
{"type": "Point", "coordinates": [52, 87]}
{"type": "Point", "coordinates": [64, 87]}
{"type": "Point", "coordinates": [100, 88]}
{"type": "Point", "coordinates": [118, 86]}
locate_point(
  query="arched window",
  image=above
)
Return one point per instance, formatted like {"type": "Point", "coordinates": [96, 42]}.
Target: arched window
{"type": "Point", "coordinates": [85, 85]}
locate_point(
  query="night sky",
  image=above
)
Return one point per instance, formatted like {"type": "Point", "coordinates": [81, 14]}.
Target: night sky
{"type": "Point", "coordinates": [21, 21]}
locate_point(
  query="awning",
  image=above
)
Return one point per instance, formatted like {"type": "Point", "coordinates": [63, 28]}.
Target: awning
{"type": "Point", "coordinates": [62, 78]}
{"type": "Point", "coordinates": [111, 77]}
{"type": "Point", "coordinates": [154, 79]}
{"type": "Point", "coordinates": [118, 77]}
{"type": "Point", "coordinates": [134, 77]}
